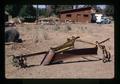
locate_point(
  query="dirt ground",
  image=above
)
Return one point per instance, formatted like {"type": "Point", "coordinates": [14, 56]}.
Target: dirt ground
{"type": "Point", "coordinates": [39, 38]}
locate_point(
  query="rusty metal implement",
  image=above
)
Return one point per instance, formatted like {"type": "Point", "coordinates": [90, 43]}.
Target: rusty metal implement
{"type": "Point", "coordinates": [106, 53]}
{"type": "Point", "coordinates": [20, 60]}
{"type": "Point", "coordinates": [66, 46]}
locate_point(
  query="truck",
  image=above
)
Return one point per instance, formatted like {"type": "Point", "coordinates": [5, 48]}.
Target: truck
{"type": "Point", "coordinates": [100, 19]}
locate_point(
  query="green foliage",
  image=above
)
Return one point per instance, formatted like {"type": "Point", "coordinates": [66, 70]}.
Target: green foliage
{"type": "Point", "coordinates": [28, 12]}
{"type": "Point", "coordinates": [13, 9]}
{"type": "Point", "coordinates": [20, 10]}
{"type": "Point", "coordinates": [9, 9]}
{"type": "Point", "coordinates": [43, 12]}
{"type": "Point", "coordinates": [55, 9]}
{"type": "Point", "coordinates": [99, 10]}
{"type": "Point", "coordinates": [51, 10]}
{"type": "Point", "coordinates": [109, 10]}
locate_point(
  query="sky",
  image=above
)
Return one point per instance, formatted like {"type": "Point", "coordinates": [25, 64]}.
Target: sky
{"type": "Point", "coordinates": [101, 6]}
{"type": "Point", "coordinates": [43, 6]}
{"type": "Point", "coordinates": [40, 6]}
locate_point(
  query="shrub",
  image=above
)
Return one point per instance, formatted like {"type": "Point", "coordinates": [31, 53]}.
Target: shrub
{"type": "Point", "coordinates": [56, 28]}
{"type": "Point", "coordinates": [45, 35]}
{"type": "Point", "coordinates": [69, 28]}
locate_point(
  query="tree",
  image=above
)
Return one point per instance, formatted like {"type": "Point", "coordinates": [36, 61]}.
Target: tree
{"type": "Point", "coordinates": [94, 6]}
{"type": "Point", "coordinates": [98, 10]}
{"type": "Point", "coordinates": [13, 9]}
{"type": "Point", "coordinates": [48, 10]}
{"type": "Point", "coordinates": [9, 9]}
{"type": "Point", "coordinates": [43, 12]}
{"type": "Point", "coordinates": [66, 7]}
{"type": "Point", "coordinates": [55, 9]}
{"type": "Point", "coordinates": [28, 11]}
{"type": "Point", "coordinates": [109, 10]}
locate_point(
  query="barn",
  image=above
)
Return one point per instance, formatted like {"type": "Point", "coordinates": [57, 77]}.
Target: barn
{"type": "Point", "coordinates": [77, 15]}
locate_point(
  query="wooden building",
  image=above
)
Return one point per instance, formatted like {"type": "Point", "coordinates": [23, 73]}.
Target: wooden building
{"type": "Point", "coordinates": [77, 15]}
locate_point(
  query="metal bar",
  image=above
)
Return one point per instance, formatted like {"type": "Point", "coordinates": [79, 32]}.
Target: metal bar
{"type": "Point", "coordinates": [62, 50]}
{"type": "Point", "coordinates": [29, 55]}
{"type": "Point", "coordinates": [104, 41]}
{"type": "Point", "coordinates": [44, 58]}
{"type": "Point", "coordinates": [86, 42]}
{"type": "Point", "coordinates": [94, 43]}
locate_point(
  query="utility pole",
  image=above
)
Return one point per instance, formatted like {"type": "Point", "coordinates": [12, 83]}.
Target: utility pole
{"type": "Point", "coordinates": [49, 9]}
{"type": "Point", "coordinates": [36, 34]}
{"type": "Point", "coordinates": [37, 14]}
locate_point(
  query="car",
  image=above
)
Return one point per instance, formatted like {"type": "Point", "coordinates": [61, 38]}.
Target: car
{"type": "Point", "coordinates": [105, 20]}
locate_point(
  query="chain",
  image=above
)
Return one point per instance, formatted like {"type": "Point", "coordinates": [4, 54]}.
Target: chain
{"type": "Point", "coordinates": [106, 54]}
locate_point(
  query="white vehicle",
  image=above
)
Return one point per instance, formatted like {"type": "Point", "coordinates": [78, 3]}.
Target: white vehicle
{"type": "Point", "coordinates": [98, 18]}
{"type": "Point", "coordinates": [105, 20]}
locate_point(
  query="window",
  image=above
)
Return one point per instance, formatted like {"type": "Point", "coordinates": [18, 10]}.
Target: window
{"type": "Point", "coordinates": [68, 15]}
{"type": "Point", "coordinates": [85, 15]}
{"type": "Point", "coordinates": [78, 14]}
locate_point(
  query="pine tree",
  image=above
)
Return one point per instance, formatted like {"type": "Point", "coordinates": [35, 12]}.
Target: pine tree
{"type": "Point", "coordinates": [28, 12]}
{"type": "Point", "coordinates": [13, 9]}
{"type": "Point", "coordinates": [109, 10]}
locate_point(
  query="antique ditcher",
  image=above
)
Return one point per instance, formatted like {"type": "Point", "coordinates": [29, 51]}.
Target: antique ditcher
{"type": "Point", "coordinates": [67, 47]}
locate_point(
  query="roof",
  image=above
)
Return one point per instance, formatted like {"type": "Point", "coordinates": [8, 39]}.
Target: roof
{"type": "Point", "coordinates": [75, 10]}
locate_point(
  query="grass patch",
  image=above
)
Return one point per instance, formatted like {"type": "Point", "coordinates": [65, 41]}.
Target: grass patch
{"type": "Point", "coordinates": [45, 35]}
